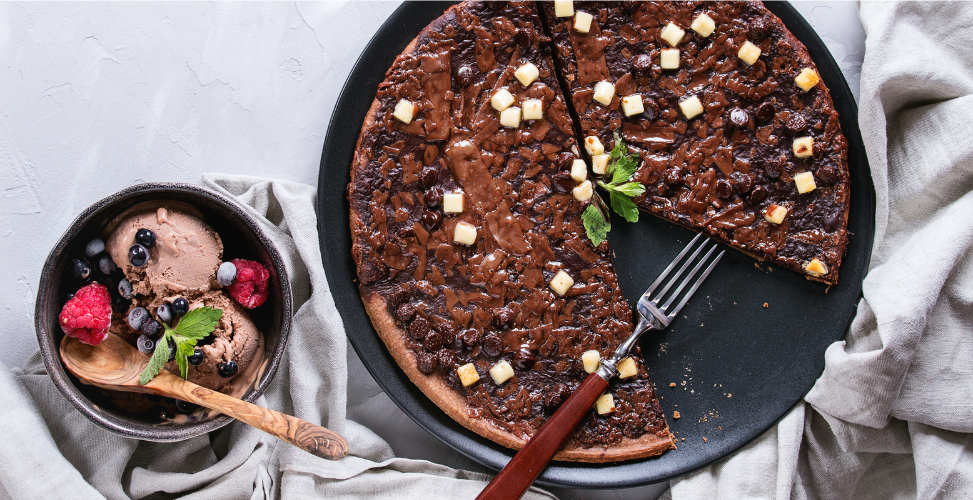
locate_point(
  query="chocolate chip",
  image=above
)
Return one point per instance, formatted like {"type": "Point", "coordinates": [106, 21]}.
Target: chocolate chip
{"type": "Point", "coordinates": [766, 111]}
{"type": "Point", "coordinates": [744, 182]}
{"type": "Point", "coordinates": [405, 312]}
{"type": "Point", "coordinates": [447, 359]}
{"type": "Point", "coordinates": [503, 318]}
{"type": "Point", "coordinates": [419, 328]}
{"type": "Point", "coordinates": [398, 297]}
{"type": "Point", "coordinates": [674, 176]}
{"type": "Point", "coordinates": [773, 168]}
{"type": "Point", "coordinates": [464, 76]}
{"type": "Point", "coordinates": [433, 341]}
{"type": "Point", "coordinates": [827, 175]}
{"type": "Point", "coordinates": [564, 161]}
{"type": "Point", "coordinates": [524, 358]}
{"type": "Point", "coordinates": [758, 195]}
{"type": "Point", "coordinates": [433, 197]}
{"type": "Point", "coordinates": [563, 182]}
{"type": "Point", "coordinates": [430, 219]}
{"type": "Point", "coordinates": [426, 362]}
{"type": "Point", "coordinates": [723, 188]}
{"type": "Point", "coordinates": [758, 29]}
{"type": "Point", "coordinates": [429, 177]}
{"type": "Point", "coordinates": [642, 62]}
{"type": "Point", "coordinates": [739, 117]}
{"type": "Point", "coordinates": [554, 397]}
{"type": "Point", "coordinates": [448, 332]}
{"type": "Point", "coordinates": [523, 38]}
{"type": "Point", "coordinates": [470, 338]}
{"type": "Point", "coordinates": [492, 345]}
{"type": "Point", "coordinates": [650, 109]}
{"type": "Point", "coordinates": [795, 122]}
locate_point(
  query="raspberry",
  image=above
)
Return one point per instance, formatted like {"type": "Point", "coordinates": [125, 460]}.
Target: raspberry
{"type": "Point", "coordinates": [250, 287]}
{"type": "Point", "coordinates": [87, 315]}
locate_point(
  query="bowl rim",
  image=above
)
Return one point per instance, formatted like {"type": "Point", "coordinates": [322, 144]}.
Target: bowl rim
{"type": "Point", "coordinates": [50, 353]}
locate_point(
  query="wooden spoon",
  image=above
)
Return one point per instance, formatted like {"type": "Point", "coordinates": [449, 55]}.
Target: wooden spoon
{"type": "Point", "coordinates": [116, 365]}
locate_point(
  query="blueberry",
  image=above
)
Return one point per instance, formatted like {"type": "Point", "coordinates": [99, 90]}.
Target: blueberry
{"type": "Point", "coordinates": [172, 349]}
{"type": "Point", "coordinates": [94, 247]}
{"type": "Point", "coordinates": [145, 344]}
{"type": "Point", "coordinates": [185, 407]}
{"type": "Point", "coordinates": [164, 313]}
{"type": "Point", "coordinates": [151, 327]}
{"type": "Point", "coordinates": [196, 357]}
{"type": "Point", "coordinates": [125, 288]}
{"type": "Point", "coordinates": [138, 255]}
{"type": "Point", "coordinates": [106, 265]}
{"type": "Point", "coordinates": [227, 369]}
{"type": "Point", "coordinates": [180, 306]}
{"type": "Point", "coordinates": [136, 317]}
{"type": "Point", "coordinates": [226, 274]}
{"type": "Point", "coordinates": [80, 269]}
{"type": "Point", "coordinates": [120, 304]}
{"type": "Point", "coordinates": [145, 237]}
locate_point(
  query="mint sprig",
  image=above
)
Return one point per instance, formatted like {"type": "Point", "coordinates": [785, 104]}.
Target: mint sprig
{"type": "Point", "coordinates": [622, 164]}
{"type": "Point", "coordinates": [193, 327]}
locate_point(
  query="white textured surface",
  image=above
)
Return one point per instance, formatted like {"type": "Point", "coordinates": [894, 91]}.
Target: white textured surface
{"type": "Point", "coordinates": [98, 96]}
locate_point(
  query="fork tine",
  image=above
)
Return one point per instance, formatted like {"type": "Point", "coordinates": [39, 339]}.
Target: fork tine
{"type": "Point", "coordinates": [672, 265]}
{"type": "Point", "coordinates": [702, 277]}
{"type": "Point", "coordinates": [679, 275]}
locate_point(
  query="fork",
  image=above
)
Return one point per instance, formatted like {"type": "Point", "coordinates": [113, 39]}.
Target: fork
{"type": "Point", "coordinates": [528, 463]}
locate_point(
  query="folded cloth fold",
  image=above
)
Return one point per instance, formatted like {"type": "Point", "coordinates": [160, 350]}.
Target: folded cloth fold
{"type": "Point", "coordinates": [891, 415]}
{"type": "Point", "coordinates": [52, 451]}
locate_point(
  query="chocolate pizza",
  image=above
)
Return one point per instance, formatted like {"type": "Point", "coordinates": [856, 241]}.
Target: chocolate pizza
{"type": "Point", "coordinates": [471, 195]}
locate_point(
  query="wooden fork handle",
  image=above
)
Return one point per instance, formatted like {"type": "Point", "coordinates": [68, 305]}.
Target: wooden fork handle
{"type": "Point", "coordinates": [310, 437]}
{"type": "Point", "coordinates": [528, 463]}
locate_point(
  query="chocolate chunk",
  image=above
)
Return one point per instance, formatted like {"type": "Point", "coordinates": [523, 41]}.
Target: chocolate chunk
{"type": "Point", "coordinates": [563, 182]}
{"type": "Point", "coordinates": [524, 358]}
{"type": "Point", "coordinates": [758, 29]}
{"type": "Point", "coordinates": [470, 338]}
{"type": "Point", "coordinates": [557, 395]}
{"type": "Point", "coordinates": [827, 175]}
{"type": "Point", "coordinates": [642, 62]}
{"type": "Point", "coordinates": [565, 161]}
{"type": "Point", "coordinates": [405, 312]}
{"type": "Point", "coordinates": [433, 197]}
{"type": "Point", "coordinates": [795, 122]}
{"type": "Point", "coordinates": [523, 38]}
{"type": "Point", "coordinates": [650, 109]}
{"type": "Point", "coordinates": [419, 328]}
{"type": "Point", "coordinates": [429, 177]}
{"type": "Point", "coordinates": [766, 111]}
{"type": "Point", "coordinates": [464, 76]}
{"type": "Point", "coordinates": [433, 341]}
{"type": "Point", "coordinates": [448, 332]}
{"type": "Point", "coordinates": [503, 318]}
{"type": "Point", "coordinates": [371, 273]}
{"type": "Point", "coordinates": [447, 358]}
{"type": "Point", "coordinates": [758, 195]}
{"type": "Point", "coordinates": [430, 219]}
{"type": "Point", "coordinates": [723, 188]}
{"type": "Point", "coordinates": [674, 176]}
{"type": "Point", "coordinates": [744, 182]}
{"type": "Point", "coordinates": [492, 345]}
{"type": "Point", "coordinates": [426, 362]}
{"type": "Point", "coordinates": [739, 117]}
{"type": "Point", "coordinates": [773, 167]}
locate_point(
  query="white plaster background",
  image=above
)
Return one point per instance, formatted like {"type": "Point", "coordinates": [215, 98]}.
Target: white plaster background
{"type": "Point", "coordinates": [97, 96]}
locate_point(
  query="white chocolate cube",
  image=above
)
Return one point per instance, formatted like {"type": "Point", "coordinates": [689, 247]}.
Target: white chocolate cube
{"type": "Point", "coordinates": [583, 191]}
{"type": "Point", "coordinates": [582, 22]}
{"type": "Point", "coordinates": [561, 283]}
{"type": "Point", "coordinates": [502, 100]}
{"type": "Point", "coordinates": [669, 59]}
{"type": "Point", "coordinates": [816, 267]}
{"type": "Point", "coordinates": [453, 202]}
{"type": "Point", "coordinates": [632, 105]}
{"type": "Point", "coordinates": [526, 74]}
{"type": "Point", "coordinates": [464, 233]}
{"type": "Point", "coordinates": [599, 163]}
{"type": "Point", "coordinates": [672, 34]}
{"type": "Point", "coordinates": [405, 111]}
{"type": "Point", "coordinates": [593, 145]}
{"type": "Point", "coordinates": [691, 107]}
{"type": "Point", "coordinates": [591, 360]}
{"type": "Point", "coordinates": [579, 171]}
{"type": "Point", "coordinates": [501, 372]}
{"type": "Point", "coordinates": [605, 404]}
{"type": "Point", "coordinates": [563, 8]}
{"type": "Point", "coordinates": [604, 91]}
{"type": "Point", "coordinates": [804, 182]}
{"type": "Point", "coordinates": [803, 147]}
{"type": "Point", "coordinates": [467, 374]}
{"type": "Point", "coordinates": [627, 368]}
{"type": "Point", "coordinates": [807, 79]}
{"type": "Point", "coordinates": [749, 53]}
{"type": "Point", "coordinates": [775, 214]}
{"type": "Point", "coordinates": [510, 117]}
{"type": "Point", "coordinates": [533, 109]}
{"type": "Point", "coordinates": [704, 25]}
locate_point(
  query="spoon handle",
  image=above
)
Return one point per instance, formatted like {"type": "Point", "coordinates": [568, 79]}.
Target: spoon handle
{"type": "Point", "coordinates": [309, 437]}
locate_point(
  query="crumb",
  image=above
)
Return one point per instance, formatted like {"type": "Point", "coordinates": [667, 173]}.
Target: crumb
{"type": "Point", "coordinates": [766, 305]}
{"type": "Point", "coordinates": [729, 395]}
{"type": "Point", "coordinates": [683, 439]}
{"type": "Point", "coordinates": [676, 414]}
{"type": "Point", "coordinates": [672, 384]}
{"type": "Point", "coordinates": [705, 441]}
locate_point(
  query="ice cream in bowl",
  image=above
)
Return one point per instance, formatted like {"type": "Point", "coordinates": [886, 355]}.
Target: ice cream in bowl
{"type": "Point", "coordinates": [185, 276]}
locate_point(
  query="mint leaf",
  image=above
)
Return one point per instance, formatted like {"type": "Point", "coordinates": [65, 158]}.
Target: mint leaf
{"type": "Point", "coordinates": [158, 360]}
{"type": "Point", "coordinates": [184, 349]}
{"type": "Point", "coordinates": [622, 164]}
{"type": "Point", "coordinates": [624, 206]}
{"type": "Point", "coordinates": [198, 323]}
{"type": "Point", "coordinates": [595, 224]}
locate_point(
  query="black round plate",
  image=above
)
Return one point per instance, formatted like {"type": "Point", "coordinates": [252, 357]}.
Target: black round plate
{"type": "Point", "coordinates": [746, 348]}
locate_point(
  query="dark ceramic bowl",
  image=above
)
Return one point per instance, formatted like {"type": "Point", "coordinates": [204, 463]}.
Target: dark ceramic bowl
{"type": "Point", "coordinates": [242, 238]}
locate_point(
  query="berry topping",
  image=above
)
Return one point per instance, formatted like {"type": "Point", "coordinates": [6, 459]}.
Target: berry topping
{"type": "Point", "coordinates": [106, 265]}
{"type": "Point", "coordinates": [145, 237]}
{"type": "Point", "coordinates": [87, 315]}
{"type": "Point", "coordinates": [227, 369]}
{"type": "Point", "coordinates": [137, 316]}
{"type": "Point", "coordinates": [145, 344]}
{"type": "Point", "coordinates": [94, 247]}
{"type": "Point", "coordinates": [196, 357]}
{"type": "Point", "coordinates": [226, 274]}
{"type": "Point", "coordinates": [250, 287]}
{"type": "Point", "coordinates": [125, 288]}
{"type": "Point", "coordinates": [172, 348]}
{"type": "Point", "coordinates": [138, 255]}
{"type": "Point", "coordinates": [80, 269]}
{"type": "Point", "coordinates": [180, 306]}
{"type": "Point", "coordinates": [164, 313]}
{"type": "Point", "coordinates": [151, 327]}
